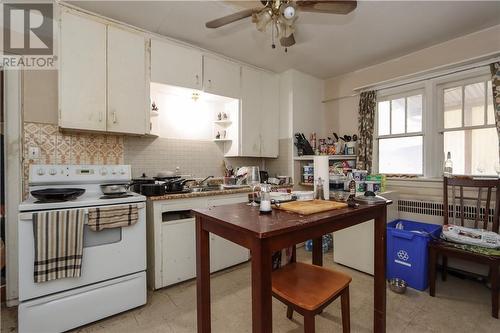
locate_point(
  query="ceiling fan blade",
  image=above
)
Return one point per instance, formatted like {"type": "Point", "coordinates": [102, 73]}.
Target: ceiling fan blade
{"type": "Point", "coordinates": [230, 18]}
{"type": "Point", "coordinates": [327, 6]}
{"type": "Point", "coordinates": [287, 41]}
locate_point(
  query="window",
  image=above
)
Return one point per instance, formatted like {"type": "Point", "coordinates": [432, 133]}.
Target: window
{"type": "Point", "coordinates": [400, 136]}
{"type": "Point", "coordinates": [469, 132]}
{"type": "Point", "coordinates": [418, 123]}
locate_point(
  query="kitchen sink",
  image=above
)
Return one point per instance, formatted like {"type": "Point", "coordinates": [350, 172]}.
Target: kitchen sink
{"type": "Point", "coordinates": [205, 189]}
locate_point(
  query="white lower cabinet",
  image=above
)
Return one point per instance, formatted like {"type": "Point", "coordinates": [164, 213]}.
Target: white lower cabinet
{"type": "Point", "coordinates": [174, 229]}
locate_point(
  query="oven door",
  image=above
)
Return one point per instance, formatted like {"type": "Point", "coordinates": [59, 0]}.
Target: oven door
{"type": "Point", "coordinates": [107, 254]}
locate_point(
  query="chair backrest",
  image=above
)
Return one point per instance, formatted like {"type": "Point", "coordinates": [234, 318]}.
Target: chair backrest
{"type": "Point", "coordinates": [480, 220]}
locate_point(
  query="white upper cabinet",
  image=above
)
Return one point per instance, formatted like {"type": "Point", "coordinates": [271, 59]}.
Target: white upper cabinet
{"type": "Point", "coordinates": [127, 90]}
{"type": "Point", "coordinates": [104, 83]}
{"type": "Point", "coordinates": [176, 65]}
{"type": "Point", "coordinates": [82, 73]}
{"type": "Point", "coordinates": [259, 127]}
{"type": "Point", "coordinates": [270, 115]}
{"type": "Point", "coordinates": [221, 77]}
{"type": "Point", "coordinates": [251, 112]}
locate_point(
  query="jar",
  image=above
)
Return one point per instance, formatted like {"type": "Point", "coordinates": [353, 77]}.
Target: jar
{"type": "Point", "coordinates": [265, 199]}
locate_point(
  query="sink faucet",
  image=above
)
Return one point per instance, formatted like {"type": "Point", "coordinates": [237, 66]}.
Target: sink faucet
{"type": "Point", "coordinates": [200, 183]}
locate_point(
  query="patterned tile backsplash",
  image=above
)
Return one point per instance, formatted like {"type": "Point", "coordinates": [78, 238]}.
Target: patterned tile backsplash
{"type": "Point", "coordinates": [58, 147]}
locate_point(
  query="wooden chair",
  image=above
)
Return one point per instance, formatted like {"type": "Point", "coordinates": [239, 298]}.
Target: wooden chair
{"type": "Point", "coordinates": [308, 289]}
{"type": "Point", "coordinates": [480, 220]}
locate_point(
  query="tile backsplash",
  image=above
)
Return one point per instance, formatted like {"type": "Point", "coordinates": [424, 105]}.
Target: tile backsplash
{"type": "Point", "coordinates": [197, 158]}
{"type": "Point", "coordinates": [58, 147]}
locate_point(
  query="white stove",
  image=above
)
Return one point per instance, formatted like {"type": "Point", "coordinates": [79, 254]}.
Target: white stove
{"type": "Point", "coordinates": [113, 275]}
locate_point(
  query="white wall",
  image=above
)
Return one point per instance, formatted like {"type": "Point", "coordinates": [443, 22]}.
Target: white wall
{"type": "Point", "coordinates": [343, 110]}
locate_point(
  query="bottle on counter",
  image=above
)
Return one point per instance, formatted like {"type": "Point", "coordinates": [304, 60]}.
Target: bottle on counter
{"type": "Point", "coordinates": [448, 166]}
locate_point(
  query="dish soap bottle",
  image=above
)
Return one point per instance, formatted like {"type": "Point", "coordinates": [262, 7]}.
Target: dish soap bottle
{"type": "Point", "coordinates": [319, 192]}
{"type": "Point", "coordinates": [448, 166]}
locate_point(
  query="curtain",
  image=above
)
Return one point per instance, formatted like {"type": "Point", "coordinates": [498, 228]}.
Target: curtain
{"type": "Point", "coordinates": [495, 84]}
{"type": "Point", "coordinates": [366, 122]}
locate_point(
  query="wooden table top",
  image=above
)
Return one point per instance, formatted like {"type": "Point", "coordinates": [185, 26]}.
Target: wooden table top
{"type": "Point", "coordinates": [244, 218]}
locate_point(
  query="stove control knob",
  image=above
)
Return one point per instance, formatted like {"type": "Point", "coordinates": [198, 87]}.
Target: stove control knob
{"type": "Point", "coordinates": [122, 172]}
{"type": "Point", "coordinates": [104, 172]}
{"type": "Point", "coordinates": [113, 172]}
{"type": "Point", "coordinates": [52, 172]}
{"type": "Point", "coordinates": [40, 172]}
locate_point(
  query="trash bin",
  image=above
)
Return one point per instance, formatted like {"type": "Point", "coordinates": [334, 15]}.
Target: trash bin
{"type": "Point", "coordinates": [407, 254]}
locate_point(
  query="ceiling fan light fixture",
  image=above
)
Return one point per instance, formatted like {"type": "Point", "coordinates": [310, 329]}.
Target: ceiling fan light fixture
{"type": "Point", "coordinates": [288, 11]}
{"type": "Point", "coordinates": [262, 19]}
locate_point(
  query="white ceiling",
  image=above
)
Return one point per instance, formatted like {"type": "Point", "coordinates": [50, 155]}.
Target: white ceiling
{"type": "Point", "coordinates": [327, 45]}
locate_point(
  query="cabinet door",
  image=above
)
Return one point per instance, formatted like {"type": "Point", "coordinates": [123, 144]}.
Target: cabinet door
{"type": "Point", "coordinates": [221, 77]}
{"type": "Point", "coordinates": [269, 145]}
{"type": "Point", "coordinates": [127, 99]}
{"type": "Point", "coordinates": [178, 251]}
{"type": "Point", "coordinates": [251, 106]}
{"type": "Point", "coordinates": [82, 73]}
{"type": "Point", "coordinates": [176, 65]}
{"type": "Point", "coordinates": [224, 253]}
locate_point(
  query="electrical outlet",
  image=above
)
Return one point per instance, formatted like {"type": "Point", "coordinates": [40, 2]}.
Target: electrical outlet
{"type": "Point", "coordinates": [34, 153]}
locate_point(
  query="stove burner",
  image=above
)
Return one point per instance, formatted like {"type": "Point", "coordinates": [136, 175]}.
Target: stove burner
{"type": "Point", "coordinates": [116, 196]}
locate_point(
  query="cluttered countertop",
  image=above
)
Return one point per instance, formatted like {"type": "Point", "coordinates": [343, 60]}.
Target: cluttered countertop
{"type": "Point", "coordinates": [189, 195]}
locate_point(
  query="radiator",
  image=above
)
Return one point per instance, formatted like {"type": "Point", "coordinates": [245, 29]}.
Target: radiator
{"type": "Point", "coordinates": [432, 211]}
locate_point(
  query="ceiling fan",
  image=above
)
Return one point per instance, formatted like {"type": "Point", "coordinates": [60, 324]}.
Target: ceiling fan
{"type": "Point", "coordinates": [282, 14]}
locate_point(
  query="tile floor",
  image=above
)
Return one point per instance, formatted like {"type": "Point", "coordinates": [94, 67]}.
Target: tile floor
{"type": "Point", "coordinates": [460, 306]}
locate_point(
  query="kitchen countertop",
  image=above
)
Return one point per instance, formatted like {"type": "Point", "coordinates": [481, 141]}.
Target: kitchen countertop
{"type": "Point", "coordinates": [209, 193]}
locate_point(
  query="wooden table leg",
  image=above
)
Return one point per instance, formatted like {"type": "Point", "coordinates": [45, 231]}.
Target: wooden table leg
{"type": "Point", "coordinates": [202, 277]}
{"type": "Point", "coordinates": [262, 318]}
{"type": "Point", "coordinates": [379, 288]}
{"type": "Point", "coordinates": [317, 252]}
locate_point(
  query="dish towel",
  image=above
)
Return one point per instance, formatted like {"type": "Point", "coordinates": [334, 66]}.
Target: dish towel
{"type": "Point", "coordinates": [58, 244]}
{"type": "Point", "coordinates": [112, 217]}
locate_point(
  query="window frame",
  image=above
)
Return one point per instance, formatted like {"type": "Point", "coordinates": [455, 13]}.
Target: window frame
{"type": "Point", "coordinates": [397, 93]}
{"type": "Point", "coordinates": [432, 115]}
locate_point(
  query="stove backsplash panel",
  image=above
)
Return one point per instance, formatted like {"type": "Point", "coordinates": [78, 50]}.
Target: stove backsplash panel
{"type": "Point", "coordinates": [57, 147]}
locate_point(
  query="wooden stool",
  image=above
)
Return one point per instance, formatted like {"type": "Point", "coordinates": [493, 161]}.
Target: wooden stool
{"type": "Point", "coordinates": [308, 289]}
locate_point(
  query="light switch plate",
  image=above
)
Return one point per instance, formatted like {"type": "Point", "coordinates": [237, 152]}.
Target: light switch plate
{"type": "Point", "coordinates": [34, 152]}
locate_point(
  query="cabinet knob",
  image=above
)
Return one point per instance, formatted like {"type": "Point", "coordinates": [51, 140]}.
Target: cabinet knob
{"type": "Point", "coordinates": [197, 79]}
{"type": "Point", "coordinates": [114, 117]}
{"type": "Point", "coordinates": [100, 116]}
{"type": "Point", "coordinates": [209, 83]}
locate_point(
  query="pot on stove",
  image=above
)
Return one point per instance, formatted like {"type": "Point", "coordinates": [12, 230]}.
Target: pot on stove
{"type": "Point", "coordinates": [137, 182]}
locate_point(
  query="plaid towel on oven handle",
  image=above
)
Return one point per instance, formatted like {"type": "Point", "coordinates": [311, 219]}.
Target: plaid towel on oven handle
{"type": "Point", "coordinates": [58, 244]}
{"type": "Point", "coordinates": [113, 217]}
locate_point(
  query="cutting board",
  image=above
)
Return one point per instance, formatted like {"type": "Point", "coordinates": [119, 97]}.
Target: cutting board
{"type": "Point", "coordinates": [311, 207]}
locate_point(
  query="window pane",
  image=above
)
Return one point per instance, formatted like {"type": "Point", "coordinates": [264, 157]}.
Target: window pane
{"type": "Point", "coordinates": [398, 116]}
{"type": "Point", "coordinates": [453, 107]}
{"type": "Point", "coordinates": [401, 155]}
{"type": "Point", "coordinates": [473, 152]}
{"type": "Point", "coordinates": [414, 114]}
{"type": "Point", "coordinates": [491, 114]}
{"type": "Point", "coordinates": [474, 104]}
{"type": "Point", "coordinates": [384, 118]}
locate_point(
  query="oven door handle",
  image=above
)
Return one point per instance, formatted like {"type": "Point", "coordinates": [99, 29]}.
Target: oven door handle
{"type": "Point", "coordinates": [28, 216]}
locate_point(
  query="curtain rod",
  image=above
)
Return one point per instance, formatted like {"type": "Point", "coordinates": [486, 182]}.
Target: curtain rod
{"type": "Point", "coordinates": [421, 76]}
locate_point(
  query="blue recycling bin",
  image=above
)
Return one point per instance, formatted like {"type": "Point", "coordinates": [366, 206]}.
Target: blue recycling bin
{"type": "Point", "coordinates": [407, 254]}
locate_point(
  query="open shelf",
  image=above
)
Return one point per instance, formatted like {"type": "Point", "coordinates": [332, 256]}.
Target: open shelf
{"type": "Point", "coordinates": [330, 157]}
{"type": "Point", "coordinates": [222, 140]}
{"type": "Point", "coordinates": [307, 184]}
{"type": "Point", "coordinates": [223, 122]}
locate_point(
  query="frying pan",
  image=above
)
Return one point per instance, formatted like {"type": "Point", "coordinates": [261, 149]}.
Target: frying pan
{"type": "Point", "coordinates": [57, 194]}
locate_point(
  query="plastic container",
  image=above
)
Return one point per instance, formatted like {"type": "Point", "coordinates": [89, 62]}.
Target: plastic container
{"type": "Point", "coordinates": [308, 169]}
{"type": "Point", "coordinates": [407, 253]}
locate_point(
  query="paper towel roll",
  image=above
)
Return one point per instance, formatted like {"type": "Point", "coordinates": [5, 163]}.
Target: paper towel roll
{"type": "Point", "coordinates": [322, 170]}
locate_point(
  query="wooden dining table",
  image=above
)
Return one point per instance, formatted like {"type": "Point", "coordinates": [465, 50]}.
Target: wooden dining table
{"type": "Point", "coordinates": [263, 234]}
